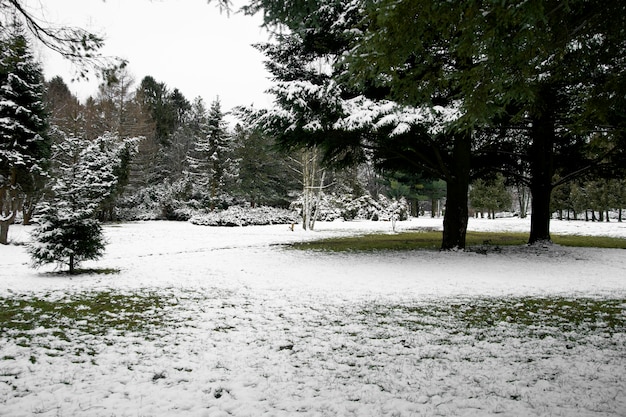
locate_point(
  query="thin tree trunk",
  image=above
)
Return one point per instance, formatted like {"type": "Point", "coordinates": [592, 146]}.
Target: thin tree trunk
{"type": "Point", "coordinates": [71, 264]}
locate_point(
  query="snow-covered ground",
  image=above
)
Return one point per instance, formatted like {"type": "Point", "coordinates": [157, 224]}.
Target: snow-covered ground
{"type": "Point", "coordinates": [243, 326]}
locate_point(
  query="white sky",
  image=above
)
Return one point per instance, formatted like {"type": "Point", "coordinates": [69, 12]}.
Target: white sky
{"type": "Point", "coordinates": [187, 44]}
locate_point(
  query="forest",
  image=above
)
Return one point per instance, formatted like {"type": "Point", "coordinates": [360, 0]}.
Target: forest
{"type": "Point", "coordinates": [366, 124]}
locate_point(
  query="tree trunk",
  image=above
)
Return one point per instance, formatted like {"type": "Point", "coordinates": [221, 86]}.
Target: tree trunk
{"type": "Point", "coordinates": [542, 168]}
{"type": "Point", "coordinates": [8, 209]}
{"type": "Point", "coordinates": [456, 212]}
{"type": "Point", "coordinates": [522, 198]}
{"type": "Point", "coordinates": [71, 264]}
{"type": "Point", "coordinates": [4, 231]}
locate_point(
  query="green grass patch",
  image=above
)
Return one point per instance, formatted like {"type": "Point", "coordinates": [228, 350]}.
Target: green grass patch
{"type": "Point", "coordinates": [590, 241]}
{"type": "Point", "coordinates": [431, 240]}
{"type": "Point", "coordinates": [559, 317]}
{"type": "Point", "coordinates": [94, 313]}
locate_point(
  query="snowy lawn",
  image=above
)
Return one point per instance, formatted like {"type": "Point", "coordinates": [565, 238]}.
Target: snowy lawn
{"type": "Point", "coordinates": [203, 321]}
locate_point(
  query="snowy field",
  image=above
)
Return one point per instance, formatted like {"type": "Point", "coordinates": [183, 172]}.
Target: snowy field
{"type": "Point", "coordinates": [203, 321]}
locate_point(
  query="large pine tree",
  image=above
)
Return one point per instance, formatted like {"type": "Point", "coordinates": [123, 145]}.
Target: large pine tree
{"type": "Point", "coordinates": [23, 147]}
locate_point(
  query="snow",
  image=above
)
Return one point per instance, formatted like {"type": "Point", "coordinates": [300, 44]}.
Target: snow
{"type": "Point", "coordinates": [248, 327]}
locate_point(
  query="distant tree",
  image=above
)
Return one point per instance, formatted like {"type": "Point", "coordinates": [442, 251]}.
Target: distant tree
{"type": "Point", "coordinates": [154, 96]}
{"type": "Point", "coordinates": [160, 155]}
{"type": "Point", "coordinates": [24, 147]}
{"type": "Point", "coordinates": [83, 177]}
{"type": "Point", "coordinates": [64, 108]}
{"type": "Point", "coordinates": [490, 195]}
{"type": "Point", "coordinates": [115, 97]}
{"type": "Point", "coordinates": [265, 174]}
{"type": "Point", "coordinates": [578, 199]}
{"type": "Point", "coordinates": [212, 163]}
{"type": "Point", "coordinates": [561, 200]}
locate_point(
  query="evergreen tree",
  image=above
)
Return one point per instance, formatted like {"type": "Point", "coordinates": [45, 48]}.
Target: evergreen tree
{"type": "Point", "coordinates": [491, 196]}
{"type": "Point", "coordinates": [199, 147]}
{"type": "Point", "coordinates": [212, 163]}
{"type": "Point", "coordinates": [320, 106]}
{"type": "Point", "coordinates": [23, 145]}
{"type": "Point", "coordinates": [223, 168]}
{"type": "Point", "coordinates": [265, 175]}
{"type": "Point", "coordinates": [545, 68]}
{"type": "Point", "coordinates": [83, 177]}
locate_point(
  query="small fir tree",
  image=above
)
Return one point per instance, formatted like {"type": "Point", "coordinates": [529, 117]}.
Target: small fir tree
{"type": "Point", "coordinates": [84, 177]}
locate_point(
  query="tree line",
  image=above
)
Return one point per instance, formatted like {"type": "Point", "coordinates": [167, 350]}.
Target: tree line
{"type": "Point", "coordinates": [129, 150]}
{"type": "Point", "coordinates": [529, 93]}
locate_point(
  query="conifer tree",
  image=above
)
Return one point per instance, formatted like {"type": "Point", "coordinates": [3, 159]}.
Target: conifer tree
{"type": "Point", "coordinates": [23, 146]}
{"type": "Point", "coordinates": [84, 175]}
{"type": "Point", "coordinates": [212, 163]}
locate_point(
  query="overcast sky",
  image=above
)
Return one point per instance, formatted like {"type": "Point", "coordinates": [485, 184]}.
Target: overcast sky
{"type": "Point", "coordinates": [188, 44]}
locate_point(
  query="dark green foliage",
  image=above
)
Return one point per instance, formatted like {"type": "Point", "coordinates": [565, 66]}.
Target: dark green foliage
{"type": "Point", "coordinates": [164, 111]}
{"type": "Point", "coordinates": [265, 177]}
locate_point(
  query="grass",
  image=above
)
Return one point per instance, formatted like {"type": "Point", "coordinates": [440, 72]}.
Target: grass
{"type": "Point", "coordinates": [431, 240]}
{"type": "Point", "coordinates": [491, 318]}
{"type": "Point", "coordinates": [94, 313]}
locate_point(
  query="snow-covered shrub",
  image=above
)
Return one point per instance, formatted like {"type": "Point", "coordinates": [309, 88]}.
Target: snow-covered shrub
{"type": "Point", "coordinates": [245, 216]}
{"type": "Point", "coordinates": [344, 206]}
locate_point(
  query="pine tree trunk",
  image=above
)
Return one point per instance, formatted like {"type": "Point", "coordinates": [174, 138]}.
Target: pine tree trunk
{"type": "Point", "coordinates": [542, 169]}
{"type": "Point", "coordinates": [456, 212]}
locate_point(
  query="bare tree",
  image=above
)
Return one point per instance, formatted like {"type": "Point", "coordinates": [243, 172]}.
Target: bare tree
{"type": "Point", "coordinates": [77, 45]}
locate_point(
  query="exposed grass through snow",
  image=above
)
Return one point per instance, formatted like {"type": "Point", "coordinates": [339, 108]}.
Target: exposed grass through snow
{"type": "Point", "coordinates": [408, 353]}
{"type": "Point", "coordinates": [143, 311]}
{"type": "Point", "coordinates": [431, 240]}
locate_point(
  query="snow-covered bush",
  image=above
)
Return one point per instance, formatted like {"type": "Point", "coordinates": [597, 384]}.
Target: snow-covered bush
{"type": "Point", "coordinates": [245, 216]}
{"type": "Point", "coordinates": [343, 206]}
